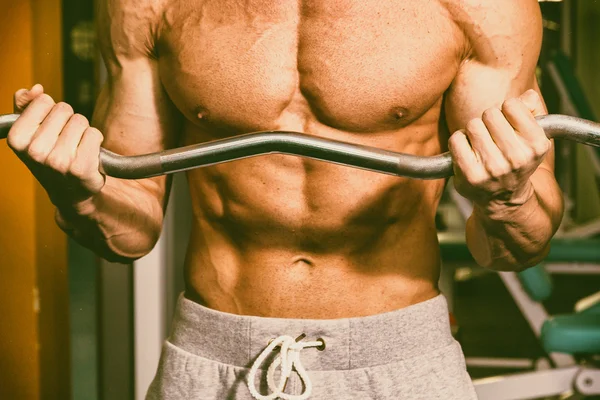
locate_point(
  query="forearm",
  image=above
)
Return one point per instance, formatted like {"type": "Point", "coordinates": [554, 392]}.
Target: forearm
{"type": "Point", "coordinates": [121, 223]}
{"type": "Point", "coordinates": [516, 237]}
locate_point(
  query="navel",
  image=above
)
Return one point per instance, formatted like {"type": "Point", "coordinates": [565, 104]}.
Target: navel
{"type": "Point", "coordinates": [302, 261]}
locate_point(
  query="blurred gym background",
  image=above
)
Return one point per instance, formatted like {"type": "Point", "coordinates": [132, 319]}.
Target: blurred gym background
{"type": "Point", "coordinates": [74, 326]}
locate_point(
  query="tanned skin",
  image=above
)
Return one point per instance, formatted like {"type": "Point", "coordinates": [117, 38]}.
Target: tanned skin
{"type": "Point", "coordinates": [289, 237]}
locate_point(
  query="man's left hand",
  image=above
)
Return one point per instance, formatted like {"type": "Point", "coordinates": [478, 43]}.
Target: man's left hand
{"type": "Point", "coordinates": [495, 155]}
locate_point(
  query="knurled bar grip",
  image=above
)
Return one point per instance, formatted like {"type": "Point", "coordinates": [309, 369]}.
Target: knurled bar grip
{"type": "Point", "coordinates": [300, 144]}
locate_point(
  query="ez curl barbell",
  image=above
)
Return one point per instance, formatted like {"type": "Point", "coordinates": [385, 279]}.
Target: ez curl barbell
{"type": "Point", "coordinates": [294, 143]}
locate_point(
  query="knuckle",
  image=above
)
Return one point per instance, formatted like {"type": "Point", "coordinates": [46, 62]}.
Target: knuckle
{"type": "Point", "coordinates": [77, 169]}
{"type": "Point", "coordinates": [474, 125]}
{"type": "Point", "coordinates": [64, 108]}
{"type": "Point", "coordinates": [58, 162]}
{"type": "Point", "coordinates": [520, 160]}
{"type": "Point", "coordinates": [541, 147]}
{"type": "Point", "coordinates": [531, 98]}
{"type": "Point", "coordinates": [490, 114]}
{"type": "Point", "coordinates": [477, 181]}
{"type": "Point", "coordinates": [45, 99]}
{"type": "Point", "coordinates": [16, 142]}
{"type": "Point", "coordinates": [38, 152]}
{"type": "Point", "coordinates": [95, 134]}
{"type": "Point", "coordinates": [533, 94]}
{"type": "Point", "coordinates": [80, 167]}
{"type": "Point", "coordinates": [511, 104]}
{"type": "Point", "coordinates": [79, 119]}
{"type": "Point", "coordinates": [455, 138]}
{"type": "Point", "coordinates": [501, 171]}
{"type": "Point", "coordinates": [529, 154]}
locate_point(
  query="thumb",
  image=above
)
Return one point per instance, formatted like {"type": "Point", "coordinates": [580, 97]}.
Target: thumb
{"type": "Point", "coordinates": [23, 97]}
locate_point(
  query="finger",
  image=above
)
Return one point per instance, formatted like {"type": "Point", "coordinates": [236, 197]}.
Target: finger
{"type": "Point", "coordinates": [86, 164]}
{"type": "Point", "coordinates": [514, 149]}
{"type": "Point", "coordinates": [65, 149]}
{"type": "Point", "coordinates": [501, 131]}
{"type": "Point", "coordinates": [46, 136]}
{"type": "Point", "coordinates": [520, 117]}
{"type": "Point", "coordinates": [71, 135]}
{"type": "Point", "coordinates": [482, 141]}
{"type": "Point", "coordinates": [27, 124]}
{"type": "Point", "coordinates": [465, 159]}
{"type": "Point", "coordinates": [534, 102]}
{"type": "Point", "coordinates": [23, 97]}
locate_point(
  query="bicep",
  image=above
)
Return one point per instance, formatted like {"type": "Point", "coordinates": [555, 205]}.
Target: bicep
{"type": "Point", "coordinates": [133, 111]}
{"type": "Point", "coordinates": [504, 51]}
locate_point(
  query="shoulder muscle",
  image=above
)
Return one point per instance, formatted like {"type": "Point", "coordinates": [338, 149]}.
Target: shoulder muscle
{"type": "Point", "coordinates": [505, 34]}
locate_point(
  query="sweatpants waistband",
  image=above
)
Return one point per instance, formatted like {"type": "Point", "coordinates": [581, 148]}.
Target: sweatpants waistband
{"type": "Point", "coordinates": [350, 343]}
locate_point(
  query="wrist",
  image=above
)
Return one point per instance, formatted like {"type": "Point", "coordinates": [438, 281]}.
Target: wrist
{"type": "Point", "coordinates": [505, 206]}
{"type": "Point", "coordinates": [79, 208]}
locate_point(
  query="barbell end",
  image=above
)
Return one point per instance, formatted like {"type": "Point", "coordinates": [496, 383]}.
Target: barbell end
{"type": "Point", "coordinates": [6, 122]}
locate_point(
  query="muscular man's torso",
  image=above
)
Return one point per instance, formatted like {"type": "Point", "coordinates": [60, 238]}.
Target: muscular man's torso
{"type": "Point", "coordinates": [289, 237]}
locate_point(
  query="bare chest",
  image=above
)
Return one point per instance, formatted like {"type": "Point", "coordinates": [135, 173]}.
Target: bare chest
{"type": "Point", "coordinates": [354, 65]}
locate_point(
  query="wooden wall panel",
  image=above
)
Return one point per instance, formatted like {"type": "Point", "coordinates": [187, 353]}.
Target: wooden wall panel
{"type": "Point", "coordinates": [19, 361]}
{"type": "Point", "coordinates": [34, 331]}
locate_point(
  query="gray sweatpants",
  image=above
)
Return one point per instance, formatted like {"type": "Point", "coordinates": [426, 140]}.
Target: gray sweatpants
{"type": "Point", "coordinates": [405, 354]}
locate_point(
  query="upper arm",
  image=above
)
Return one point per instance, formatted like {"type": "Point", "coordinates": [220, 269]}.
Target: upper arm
{"type": "Point", "coordinates": [133, 111]}
{"type": "Point", "coordinates": [504, 40]}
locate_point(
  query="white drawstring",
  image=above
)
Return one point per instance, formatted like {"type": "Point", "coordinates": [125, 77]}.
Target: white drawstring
{"type": "Point", "coordinates": [288, 358]}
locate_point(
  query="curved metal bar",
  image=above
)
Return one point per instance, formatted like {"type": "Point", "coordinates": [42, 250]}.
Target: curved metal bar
{"type": "Point", "coordinates": [260, 143]}
{"type": "Point", "coordinates": [6, 122]}
{"type": "Point", "coordinates": [575, 129]}
{"type": "Point", "coordinates": [300, 144]}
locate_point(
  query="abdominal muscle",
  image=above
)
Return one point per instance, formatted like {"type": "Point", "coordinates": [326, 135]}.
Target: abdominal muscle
{"type": "Point", "coordinates": [287, 237]}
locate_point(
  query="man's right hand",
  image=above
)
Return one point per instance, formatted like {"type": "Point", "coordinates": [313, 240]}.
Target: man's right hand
{"type": "Point", "coordinates": [58, 146]}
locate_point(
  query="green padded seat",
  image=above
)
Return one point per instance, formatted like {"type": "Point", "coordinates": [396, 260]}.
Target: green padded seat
{"type": "Point", "coordinates": [536, 282]}
{"type": "Point", "coordinates": [572, 334]}
{"type": "Point", "coordinates": [454, 249]}
{"type": "Point", "coordinates": [574, 250]}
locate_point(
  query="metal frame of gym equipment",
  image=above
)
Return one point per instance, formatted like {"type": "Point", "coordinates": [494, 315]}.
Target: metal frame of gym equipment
{"type": "Point", "coordinates": [573, 102]}
{"type": "Point", "coordinates": [532, 310]}
{"type": "Point", "coordinates": [557, 375]}
{"type": "Point", "coordinates": [567, 376]}
{"type": "Point", "coordinates": [561, 375]}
